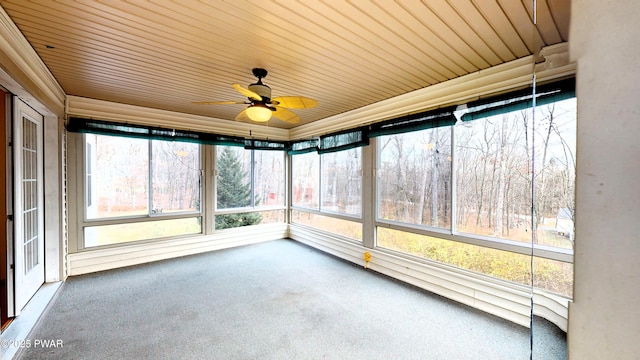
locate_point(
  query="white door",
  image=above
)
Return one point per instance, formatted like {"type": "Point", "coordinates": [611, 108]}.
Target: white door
{"type": "Point", "coordinates": [28, 203]}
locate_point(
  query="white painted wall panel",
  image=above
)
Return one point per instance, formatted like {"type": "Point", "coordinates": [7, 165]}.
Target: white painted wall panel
{"type": "Point", "coordinates": [605, 315]}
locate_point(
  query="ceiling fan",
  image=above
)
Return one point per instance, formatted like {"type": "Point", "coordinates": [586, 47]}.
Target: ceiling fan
{"type": "Point", "coordinates": [261, 106]}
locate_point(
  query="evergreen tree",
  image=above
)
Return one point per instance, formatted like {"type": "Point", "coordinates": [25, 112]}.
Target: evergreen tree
{"type": "Point", "coordinates": [233, 191]}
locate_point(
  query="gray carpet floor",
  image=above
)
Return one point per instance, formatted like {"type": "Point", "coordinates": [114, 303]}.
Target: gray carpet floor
{"type": "Point", "coordinates": [274, 300]}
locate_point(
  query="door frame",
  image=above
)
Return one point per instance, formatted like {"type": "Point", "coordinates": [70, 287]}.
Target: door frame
{"type": "Point", "coordinates": [4, 198]}
{"type": "Point", "coordinates": [27, 283]}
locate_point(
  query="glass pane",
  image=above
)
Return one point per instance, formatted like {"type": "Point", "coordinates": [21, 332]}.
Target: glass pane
{"type": "Point", "coordinates": [555, 173]}
{"type": "Point", "coordinates": [493, 164]}
{"type": "Point", "coordinates": [30, 211]}
{"type": "Point", "coordinates": [342, 181]}
{"type": "Point", "coordinates": [228, 221]}
{"type": "Point", "coordinates": [550, 275]}
{"type": "Point", "coordinates": [305, 185]}
{"type": "Point", "coordinates": [414, 182]}
{"type": "Point", "coordinates": [120, 178]}
{"type": "Point", "coordinates": [176, 176]}
{"type": "Point", "coordinates": [269, 177]}
{"type": "Point", "coordinates": [233, 181]}
{"type": "Point", "coordinates": [122, 233]}
{"type": "Point", "coordinates": [272, 216]}
{"type": "Point", "coordinates": [350, 229]}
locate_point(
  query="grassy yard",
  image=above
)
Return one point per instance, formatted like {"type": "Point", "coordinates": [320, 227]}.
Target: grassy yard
{"type": "Point", "coordinates": [122, 233]}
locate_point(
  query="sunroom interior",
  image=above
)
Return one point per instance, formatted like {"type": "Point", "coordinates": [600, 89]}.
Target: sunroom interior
{"type": "Point", "coordinates": [454, 147]}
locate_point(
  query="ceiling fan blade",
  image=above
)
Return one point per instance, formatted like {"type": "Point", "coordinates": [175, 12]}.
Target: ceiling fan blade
{"type": "Point", "coordinates": [218, 102]}
{"type": "Point", "coordinates": [246, 92]}
{"type": "Point", "coordinates": [242, 116]}
{"type": "Point", "coordinates": [286, 115]}
{"type": "Point", "coordinates": [294, 102]}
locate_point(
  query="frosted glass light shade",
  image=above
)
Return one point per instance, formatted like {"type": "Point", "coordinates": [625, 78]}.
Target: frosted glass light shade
{"type": "Point", "coordinates": [259, 113]}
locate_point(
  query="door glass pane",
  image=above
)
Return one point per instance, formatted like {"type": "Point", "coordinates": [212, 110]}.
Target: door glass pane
{"type": "Point", "coordinates": [30, 194]}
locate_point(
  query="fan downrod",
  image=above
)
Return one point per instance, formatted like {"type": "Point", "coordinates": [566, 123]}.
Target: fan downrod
{"type": "Point", "coordinates": [259, 73]}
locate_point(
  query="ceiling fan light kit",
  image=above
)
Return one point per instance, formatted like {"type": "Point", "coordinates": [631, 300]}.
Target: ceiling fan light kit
{"type": "Point", "coordinates": [261, 106]}
{"type": "Point", "coordinates": [259, 112]}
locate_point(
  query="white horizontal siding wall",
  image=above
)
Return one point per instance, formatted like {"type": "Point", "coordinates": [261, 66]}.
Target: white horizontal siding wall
{"type": "Point", "coordinates": [93, 260]}
{"type": "Point", "coordinates": [501, 298]}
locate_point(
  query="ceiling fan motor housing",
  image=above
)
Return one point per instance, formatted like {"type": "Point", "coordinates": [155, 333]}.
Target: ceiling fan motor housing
{"type": "Point", "coordinates": [263, 90]}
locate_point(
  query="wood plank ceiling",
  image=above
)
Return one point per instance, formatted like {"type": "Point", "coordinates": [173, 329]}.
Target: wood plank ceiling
{"type": "Point", "coordinates": [165, 54]}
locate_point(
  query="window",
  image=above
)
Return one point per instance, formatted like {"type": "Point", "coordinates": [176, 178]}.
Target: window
{"type": "Point", "coordinates": [550, 275]}
{"type": "Point", "coordinates": [175, 177]}
{"type": "Point", "coordinates": [347, 228]}
{"type": "Point", "coordinates": [138, 180]}
{"type": "Point", "coordinates": [123, 166]}
{"type": "Point", "coordinates": [342, 182]}
{"type": "Point", "coordinates": [233, 178]}
{"type": "Point", "coordinates": [330, 182]}
{"type": "Point", "coordinates": [494, 165]}
{"type": "Point", "coordinates": [89, 171]}
{"type": "Point", "coordinates": [251, 180]}
{"type": "Point", "coordinates": [305, 174]}
{"type": "Point", "coordinates": [141, 230]}
{"type": "Point", "coordinates": [477, 189]}
{"type": "Point", "coordinates": [415, 177]}
{"type": "Point", "coordinates": [120, 181]}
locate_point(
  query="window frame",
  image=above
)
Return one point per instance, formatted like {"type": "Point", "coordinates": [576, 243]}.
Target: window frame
{"type": "Point", "coordinates": [150, 214]}
{"type": "Point", "coordinates": [84, 222]}
{"type": "Point", "coordinates": [452, 234]}
{"type": "Point", "coordinates": [319, 210]}
{"type": "Point", "coordinates": [252, 207]}
{"type": "Point", "coordinates": [379, 221]}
